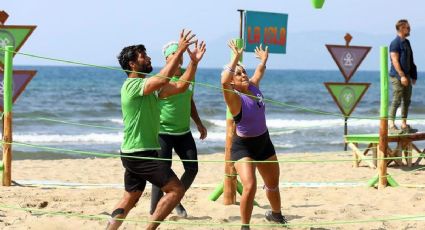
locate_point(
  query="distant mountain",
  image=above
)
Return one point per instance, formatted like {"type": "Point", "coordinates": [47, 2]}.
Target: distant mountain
{"type": "Point", "coordinates": [306, 50]}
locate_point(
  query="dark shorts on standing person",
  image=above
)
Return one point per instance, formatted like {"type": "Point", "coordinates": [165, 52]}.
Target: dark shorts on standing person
{"type": "Point", "coordinates": [258, 148]}
{"type": "Point", "coordinates": [138, 171]}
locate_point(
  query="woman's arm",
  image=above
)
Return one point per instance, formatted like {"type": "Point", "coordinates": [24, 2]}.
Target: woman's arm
{"type": "Point", "coordinates": [230, 97]}
{"type": "Point", "coordinates": [263, 55]}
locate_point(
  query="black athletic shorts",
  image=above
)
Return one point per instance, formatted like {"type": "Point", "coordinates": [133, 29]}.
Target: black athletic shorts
{"type": "Point", "coordinates": [258, 148]}
{"type": "Point", "coordinates": [138, 171]}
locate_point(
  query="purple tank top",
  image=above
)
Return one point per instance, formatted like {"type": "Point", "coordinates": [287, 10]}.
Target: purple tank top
{"type": "Point", "coordinates": [253, 121]}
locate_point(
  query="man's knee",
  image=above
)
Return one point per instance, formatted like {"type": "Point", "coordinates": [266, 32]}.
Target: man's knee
{"type": "Point", "coordinates": [132, 197]}
{"type": "Point", "coordinates": [174, 187]}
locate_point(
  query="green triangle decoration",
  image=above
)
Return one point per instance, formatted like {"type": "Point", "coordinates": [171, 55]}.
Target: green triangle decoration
{"type": "Point", "coordinates": [347, 95]}
{"type": "Point", "coordinates": [14, 36]}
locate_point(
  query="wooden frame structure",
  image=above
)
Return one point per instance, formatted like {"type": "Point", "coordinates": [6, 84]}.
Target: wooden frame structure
{"type": "Point", "coordinates": [404, 148]}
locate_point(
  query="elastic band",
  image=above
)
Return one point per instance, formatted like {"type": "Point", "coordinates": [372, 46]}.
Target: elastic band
{"type": "Point", "coordinates": [271, 189]}
{"type": "Point", "coordinates": [230, 175]}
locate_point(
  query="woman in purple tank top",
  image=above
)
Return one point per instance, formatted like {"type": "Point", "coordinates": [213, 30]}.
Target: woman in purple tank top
{"type": "Point", "coordinates": [252, 141]}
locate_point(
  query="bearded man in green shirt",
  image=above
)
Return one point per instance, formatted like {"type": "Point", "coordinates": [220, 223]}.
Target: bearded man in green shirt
{"type": "Point", "coordinates": [140, 108]}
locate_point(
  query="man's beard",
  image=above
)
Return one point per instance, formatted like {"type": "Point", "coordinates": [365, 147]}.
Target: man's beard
{"type": "Point", "coordinates": [146, 69]}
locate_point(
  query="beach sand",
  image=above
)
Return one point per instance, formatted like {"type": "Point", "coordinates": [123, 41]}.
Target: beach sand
{"type": "Point", "coordinates": [300, 204]}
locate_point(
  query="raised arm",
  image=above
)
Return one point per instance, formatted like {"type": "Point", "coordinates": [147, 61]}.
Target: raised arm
{"type": "Point", "coordinates": [263, 55]}
{"type": "Point", "coordinates": [163, 77]}
{"type": "Point", "coordinates": [180, 86]}
{"type": "Point", "coordinates": [230, 97]}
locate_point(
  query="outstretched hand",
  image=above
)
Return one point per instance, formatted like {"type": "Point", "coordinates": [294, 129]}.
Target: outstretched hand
{"type": "Point", "coordinates": [237, 52]}
{"type": "Point", "coordinates": [198, 52]}
{"type": "Point", "coordinates": [186, 39]}
{"type": "Point", "coordinates": [262, 54]}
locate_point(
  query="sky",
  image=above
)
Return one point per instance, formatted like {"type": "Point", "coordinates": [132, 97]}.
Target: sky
{"type": "Point", "coordinates": [95, 31]}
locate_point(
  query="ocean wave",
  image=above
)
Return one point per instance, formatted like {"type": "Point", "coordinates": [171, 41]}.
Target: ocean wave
{"type": "Point", "coordinates": [285, 146]}
{"type": "Point", "coordinates": [294, 124]}
{"type": "Point", "coordinates": [97, 138]}
{"type": "Point", "coordinates": [117, 121]}
{"type": "Point", "coordinates": [303, 123]}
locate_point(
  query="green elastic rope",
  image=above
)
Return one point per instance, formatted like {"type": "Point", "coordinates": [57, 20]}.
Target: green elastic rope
{"type": "Point", "coordinates": [185, 160]}
{"type": "Point", "coordinates": [119, 129]}
{"type": "Point", "coordinates": [192, 223]}
{"type": "Point", "coordinates": [77, 124]}
{"type": "Point", "coordinates": [205, 85]}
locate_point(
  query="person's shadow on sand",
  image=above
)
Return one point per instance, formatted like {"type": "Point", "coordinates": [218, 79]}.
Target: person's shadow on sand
{"type": "Point", "coordinates": [261, 216]}
{"type": "Point", "coordinates": [176, 218]}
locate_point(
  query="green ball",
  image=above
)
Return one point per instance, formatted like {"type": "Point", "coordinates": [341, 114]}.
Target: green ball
{"type": "Point", "coordinates": [317, 4]}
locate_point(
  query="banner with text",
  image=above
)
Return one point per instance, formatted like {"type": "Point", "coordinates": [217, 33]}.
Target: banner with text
{"type": "Point", "coordinates": [269, 29]}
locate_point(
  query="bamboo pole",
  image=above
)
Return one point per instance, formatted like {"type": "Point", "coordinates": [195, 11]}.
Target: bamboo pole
{"type": "Point", "coordinates": [7, 120]}
{"type": "Point", "coordinates": [383, 130]}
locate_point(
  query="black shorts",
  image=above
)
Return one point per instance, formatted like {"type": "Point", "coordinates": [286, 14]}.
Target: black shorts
{"type": "Point", "coordinates": [183, 145]}
{"type": "Point", "coordinates": [138, 171]}
{"type": "Point", "coordinates": [258, 148]}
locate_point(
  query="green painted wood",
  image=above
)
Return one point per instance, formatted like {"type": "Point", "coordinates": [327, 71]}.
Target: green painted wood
{"type": "Point", "coordinates": [374, 137]}
{"type": "Point", "coordinates": [7, 79]}
{"type": "Point", "coordinates": [384, 82]}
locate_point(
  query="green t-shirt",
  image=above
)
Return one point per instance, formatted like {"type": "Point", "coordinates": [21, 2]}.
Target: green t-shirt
{"type": "Point", "coordinates": [175, 111]}
{"type": "Point", "coordinates": [141, 117]}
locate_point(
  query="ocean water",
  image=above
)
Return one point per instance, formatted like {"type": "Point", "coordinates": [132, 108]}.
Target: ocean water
{"type": "Point", "coordinates": [58, 96]}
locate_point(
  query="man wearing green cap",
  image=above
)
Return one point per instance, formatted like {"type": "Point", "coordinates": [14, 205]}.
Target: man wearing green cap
{"type": "Point", "coordinates": [174, 132]}
{"type": "Point", "coordinates": [139, 102]}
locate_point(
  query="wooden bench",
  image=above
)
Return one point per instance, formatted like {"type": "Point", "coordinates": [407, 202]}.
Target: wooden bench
{"type": "Point", "coordinates": [405, 146]}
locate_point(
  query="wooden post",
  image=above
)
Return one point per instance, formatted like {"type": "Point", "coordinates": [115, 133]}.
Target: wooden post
{"type": "Point", "coordinates": [345, 131]}
{"type": "Point", "coordinates": [375, 154]}
{"type": "Point", "coordinates": [230, 179]}
{"type": "Point", "coordinates": [409, 154]}
{"type": "Point", "coordinates": [241, 23]}
{"type": "Point", "coordinates": [7, 121]}
{"type": "Point", "coordinates": [383, 128]}
{"type": "Point", "coordinates": [347, 39]}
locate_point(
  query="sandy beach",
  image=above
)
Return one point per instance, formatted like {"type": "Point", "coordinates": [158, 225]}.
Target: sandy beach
{"type": "Point", "coordinates": [328, 198]}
